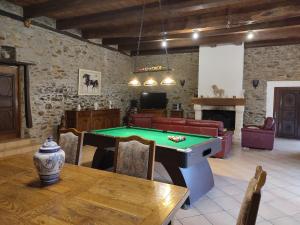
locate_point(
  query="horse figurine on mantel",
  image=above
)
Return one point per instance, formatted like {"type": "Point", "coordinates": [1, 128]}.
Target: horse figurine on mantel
{"type": "Point", "coordinates": [88, 82]}
{"type": "Point", "coordinates": [218, 92]}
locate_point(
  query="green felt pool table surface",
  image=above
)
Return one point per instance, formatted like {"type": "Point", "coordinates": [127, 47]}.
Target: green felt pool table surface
{"type": "Point", "coordinates": [160, 137]}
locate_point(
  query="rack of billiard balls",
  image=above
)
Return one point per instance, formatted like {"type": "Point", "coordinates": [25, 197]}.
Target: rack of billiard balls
{"type": "Point", "coordinates": [176, 138]}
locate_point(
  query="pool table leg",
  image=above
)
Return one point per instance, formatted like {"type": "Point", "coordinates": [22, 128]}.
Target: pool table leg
{"type": "Point", "coordinates": [198, 178]}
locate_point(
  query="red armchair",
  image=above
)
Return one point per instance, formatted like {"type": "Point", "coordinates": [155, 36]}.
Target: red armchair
{"type": "Point", "coordinates": [261, 137]}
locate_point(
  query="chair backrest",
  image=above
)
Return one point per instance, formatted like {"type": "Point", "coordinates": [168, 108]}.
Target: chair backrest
{"type": "Point", "coordinates": [269, 124]}
{"type": "Point", "coordinates": [70, 140]}
{"type": "Point", "coordinates": [134, 156]}
{"type": "Point", "coordinates": [250, 204]}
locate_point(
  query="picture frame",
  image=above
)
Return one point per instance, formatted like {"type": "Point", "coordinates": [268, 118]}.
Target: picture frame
{"type": "Point", "coordinates": [89, 82]}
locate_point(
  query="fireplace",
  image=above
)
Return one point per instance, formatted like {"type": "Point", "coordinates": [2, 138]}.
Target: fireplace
{"type": "Point", "coordinates": [226, 116]}
{"type": "Point", "coordinates": [213, 107]}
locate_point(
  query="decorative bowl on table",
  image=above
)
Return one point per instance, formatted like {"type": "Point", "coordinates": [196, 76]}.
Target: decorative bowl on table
{"type": "Point", "coordinates": [49, 160]}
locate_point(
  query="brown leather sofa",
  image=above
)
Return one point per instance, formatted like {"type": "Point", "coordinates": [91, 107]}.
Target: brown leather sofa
{"type": "Point", "coordinates": [204, 127]}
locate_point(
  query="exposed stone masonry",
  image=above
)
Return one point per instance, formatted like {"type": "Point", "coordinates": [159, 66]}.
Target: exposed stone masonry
{"type": "Point", "coordinates": [277, 63]}
{"type": "Point", "coordinates": [54, 78]}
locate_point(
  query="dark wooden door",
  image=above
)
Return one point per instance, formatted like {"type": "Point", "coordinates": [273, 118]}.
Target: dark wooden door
{"type": "Point", "coordinates": [287, 112]}
{"type": "Point", "coordinates": [9, 103]}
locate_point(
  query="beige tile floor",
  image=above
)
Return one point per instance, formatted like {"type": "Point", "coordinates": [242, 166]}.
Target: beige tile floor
{"type": "Point", "coordinates": [280, 204]}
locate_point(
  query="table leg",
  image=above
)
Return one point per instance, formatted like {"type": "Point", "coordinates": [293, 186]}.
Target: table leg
{"type": "Point", "coordinates": [197, 178]}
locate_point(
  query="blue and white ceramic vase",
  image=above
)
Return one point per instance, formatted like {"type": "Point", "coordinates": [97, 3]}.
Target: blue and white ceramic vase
{"type": "Point", "coordinates": [49, 160]}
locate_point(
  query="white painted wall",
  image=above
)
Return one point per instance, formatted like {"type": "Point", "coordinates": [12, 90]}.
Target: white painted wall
{"type": "Point", "coordinates": [223, 66]}
{"type": "Point", "coordinates": [270, 93]}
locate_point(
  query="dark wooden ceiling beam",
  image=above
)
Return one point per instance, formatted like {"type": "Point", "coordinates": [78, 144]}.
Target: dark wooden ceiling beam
{"type": "Point", "coordinates": [26, 2]}
{"type": "Point", "coordinates": [277, 42]}
{"type": "Point", "coordinates": [187, 24]}
{"type": "Point", "coordinates": [292, 32]}
{"type": "Point", "coordinates": [263, 25]}
{"type": "Point", "coordinates": [230, 38]}
{"type": "Point", "coordinates": [253, 44]}
{"type": "Point", "coordinates": [105, 18]}
{"type": "Point", "coordinates": [152, 13]}
{"type": "Point", "coordinates": [73, 8]}
{"type": "Point", "coordinates": [170, 51]}
{"type": "Point", "coordinates": [50, 7]}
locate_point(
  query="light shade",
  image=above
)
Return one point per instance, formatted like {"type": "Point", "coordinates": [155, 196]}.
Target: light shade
{"type": "Point", "coordinates": [134, 82]}
{"type": "Point", "coordinates": [168, 81]}
{"type": "Point", "coordinates": [150, 82]}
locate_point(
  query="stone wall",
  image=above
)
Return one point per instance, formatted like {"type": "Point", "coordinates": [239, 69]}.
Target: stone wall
{"type": "Point", "coordinates": [54, 78]}
{"type": "Point", "coordinates": [185, 66]}
{"type": "Point", "coordinates": [276, 63]}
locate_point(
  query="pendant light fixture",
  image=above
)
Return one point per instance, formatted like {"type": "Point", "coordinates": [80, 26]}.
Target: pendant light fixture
{"type": "Point", "coordinates": [135, 82]}
{"type": "Point", "coordinates": [167, 81]}
{"type": "Point", "coordinates": [151, 82]}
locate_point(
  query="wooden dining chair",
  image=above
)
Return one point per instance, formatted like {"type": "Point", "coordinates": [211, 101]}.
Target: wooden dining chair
{"type": "Point", "coordinates": [71, 140]}
{"type": "Point", "coordinates": [134, 156]}
{"type": "Point", "coordinates": [250, 204]}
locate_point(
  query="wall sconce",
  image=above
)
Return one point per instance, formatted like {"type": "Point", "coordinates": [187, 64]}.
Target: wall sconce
{"type": "Point", "coordinates": [255, 83]}
{"type": "Point", "coordinates": [182, 83]}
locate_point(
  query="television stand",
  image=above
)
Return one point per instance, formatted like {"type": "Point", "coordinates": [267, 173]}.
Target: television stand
{"type": "Point", "coordinates": [156, 112]}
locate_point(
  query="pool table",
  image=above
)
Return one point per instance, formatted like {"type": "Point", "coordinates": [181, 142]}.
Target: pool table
{"type": "Point", "coordinates": [186, 161]}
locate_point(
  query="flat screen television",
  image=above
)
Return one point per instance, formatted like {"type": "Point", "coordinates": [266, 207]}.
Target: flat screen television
{"type": "Point", "coordinates": [153, 100]}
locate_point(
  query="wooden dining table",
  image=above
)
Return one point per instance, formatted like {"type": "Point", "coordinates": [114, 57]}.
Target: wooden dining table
{"type": "Point", "coordinates": [83, 196]}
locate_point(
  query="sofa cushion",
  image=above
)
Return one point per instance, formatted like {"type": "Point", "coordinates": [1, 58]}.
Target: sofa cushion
{"type": "Point", "coordinates": [169, 121]}
{"type": "Point", "coordinates": [211, 131]}
{"type": "Point", "coordinates": [207, 123]}
{"type": "Point", "coordinates": [168, 127]}
{"type": "Point", "coordinates": [170, 124]}
{"type": "Point", "coordinates": [142, 120]}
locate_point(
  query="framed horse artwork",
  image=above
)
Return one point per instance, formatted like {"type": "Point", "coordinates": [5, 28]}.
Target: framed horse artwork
{"type": "Point", "coordinates": [89, 82]}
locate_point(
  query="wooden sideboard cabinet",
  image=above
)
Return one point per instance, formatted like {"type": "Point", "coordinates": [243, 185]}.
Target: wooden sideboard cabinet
{"type": "Point", "coordinates": [156, 112]}
{"type": "Point", "coordinates": [92, 119]}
